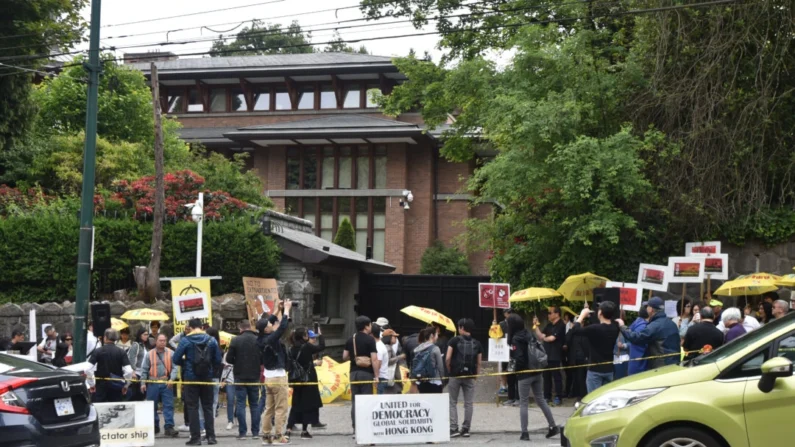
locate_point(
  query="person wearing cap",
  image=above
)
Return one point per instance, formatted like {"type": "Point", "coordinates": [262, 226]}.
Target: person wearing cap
{"type": "Point", "coordinates": [390, 339]}
{"type": "Point", "coordinates": [382, 322]}
{"type": "Point", "coordinates": [661, 335]}
{"type": "Point", "coordinates": [717, 307]}
{"type": "Point", "coordinates": [383, 360]}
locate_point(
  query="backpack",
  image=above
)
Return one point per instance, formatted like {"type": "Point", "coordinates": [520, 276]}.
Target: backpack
{"type": "Point", "coordinates": [201, 360]}
{"type": "Point", "coordinates": [296, 372]}
{"type": "Point", "coordinates": [422, 366]}
{"type": "Point", "coordinates": [536, 355]}
{"type": "Point", "coordinates": [464, 361]}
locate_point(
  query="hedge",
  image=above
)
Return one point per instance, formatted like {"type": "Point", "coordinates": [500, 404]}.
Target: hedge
{"type": "Point", "coordinates": [39, 254]}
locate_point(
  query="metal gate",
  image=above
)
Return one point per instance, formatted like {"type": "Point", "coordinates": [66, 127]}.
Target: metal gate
{"type": "Point", "coordinates": [383, 295]}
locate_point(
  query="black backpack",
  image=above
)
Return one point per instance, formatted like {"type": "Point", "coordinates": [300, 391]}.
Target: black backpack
{"type": "Point", "coordinates": [464, 361]}
{"type": "Point", "coordinates": [202, 366]}
{"type": "Point", "coordinates": [296, 372]}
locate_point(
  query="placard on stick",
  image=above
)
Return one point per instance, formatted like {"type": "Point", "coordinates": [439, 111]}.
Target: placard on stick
{"type": "Point", "coordinates": [653, 277]}
{"type": "Point", "coordinates": [630, 295]}
{"type": "Point", "coordinates": [494, 295]}
{"type": "Point", "coordinates": [262, 297]}
{"type": "Point", "coordinates": [686, 269]}
{"type": "Point", "coordinates": [717, 266]}
{"type": "Point", "coordinates": [702, 248]}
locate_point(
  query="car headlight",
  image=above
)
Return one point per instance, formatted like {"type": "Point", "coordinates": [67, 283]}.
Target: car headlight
{"type": "Point", "coordinates": [616, 400]}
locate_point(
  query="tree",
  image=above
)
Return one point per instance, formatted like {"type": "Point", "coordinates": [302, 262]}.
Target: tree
{"type": "Point", "coordinates": [28, 29]}
{"type": "Point", "coordinates": [346, 237]}
{"type": "Point", "coordinates": [338, 45]}
{"type": "Point", "coordinates": [441, 260]}
{"type": "Point", "coordinates": [270, 38]}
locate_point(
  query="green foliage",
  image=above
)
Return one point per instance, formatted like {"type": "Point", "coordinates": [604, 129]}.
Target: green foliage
{"type": "Point", "coordinates": [269, 38]}
{"type": "Point", "coordinates": [338, 45]}
{"type": "Point", "coordinates": [45, 244]}
{"type": "Point", "coordinates": [37, 27]}
{"type": "Point", "coordinates": [346, 237]}
{"type": "Point", "coordinates": [441, 260]}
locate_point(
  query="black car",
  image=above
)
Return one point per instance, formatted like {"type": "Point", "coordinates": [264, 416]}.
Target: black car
{"type": "Point", "coordinates": [42, 406]}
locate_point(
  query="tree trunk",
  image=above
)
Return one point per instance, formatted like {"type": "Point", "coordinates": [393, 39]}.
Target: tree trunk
{"type": "Point", "coordinates": [152, 287]}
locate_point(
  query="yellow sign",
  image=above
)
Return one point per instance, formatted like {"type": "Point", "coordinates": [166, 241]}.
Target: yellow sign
{"type": "Point", "coordinates": [189, 286]}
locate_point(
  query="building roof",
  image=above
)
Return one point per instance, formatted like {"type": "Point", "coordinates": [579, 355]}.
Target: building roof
{"type": "Point", "coordinates": [349, 121]}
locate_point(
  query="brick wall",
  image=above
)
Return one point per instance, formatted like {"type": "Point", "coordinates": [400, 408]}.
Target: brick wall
{"type": "Point", "coordinates": [395, 237]}
{"type": "Point", "coordinates": [477, 260]}
{"type": "Point", "coordinates": [452, 176]}
{"type": "Point", "coordinates": [420, 218]}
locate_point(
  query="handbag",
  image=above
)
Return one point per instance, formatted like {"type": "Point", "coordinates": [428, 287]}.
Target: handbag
{"type": "Point", "coordinates": [361, 362]}
{"type": "Point", "coordinates": [298, 374]}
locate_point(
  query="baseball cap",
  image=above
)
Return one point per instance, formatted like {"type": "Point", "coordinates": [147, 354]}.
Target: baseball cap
{"type": "Point", "coordinates": [381, 321]}
{"type": "Point", "coordinates": [389, 332]}
{"type": "Point", "coordinates": [716, 303]}
{"type": "Point", "coordinates": [656, 303]}
{"type": "Point", "coordinates": [311, 333]}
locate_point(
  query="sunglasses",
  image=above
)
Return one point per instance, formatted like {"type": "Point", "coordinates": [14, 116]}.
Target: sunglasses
{"type": "Point", "coordinates": [68, 339]}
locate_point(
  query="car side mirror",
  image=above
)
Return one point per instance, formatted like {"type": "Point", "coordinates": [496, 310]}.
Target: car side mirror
{"type": "Point", "coordinates": [773, 369]}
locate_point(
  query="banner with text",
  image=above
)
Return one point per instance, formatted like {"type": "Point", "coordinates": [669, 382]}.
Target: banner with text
{"type": "Point", "coordinates": [499, 350]}
{"type": "Point", "coordinates": [186, 291]}
{"type": "Point", "coordinates": [402, 419]}
{"type": "Point", "coordinates": [127, 424]}
{"type": "Point", "coordinates": [262, 297]}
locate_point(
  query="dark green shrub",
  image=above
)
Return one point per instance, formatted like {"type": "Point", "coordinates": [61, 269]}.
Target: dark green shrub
{"type": "Point", "coordinates": [441, 260]}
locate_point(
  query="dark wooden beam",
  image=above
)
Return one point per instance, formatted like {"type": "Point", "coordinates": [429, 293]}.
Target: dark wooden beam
{"type": "Point", "coordinates": [204, 93]}
{"type": "Point", "coordinates": [339, 90]}
{"type": "Point", "coordinates": [292, 90]}
{"type": "Point", "coordinates": [386, 84]}
{"type": "Point", "coordinates": [248, 93]}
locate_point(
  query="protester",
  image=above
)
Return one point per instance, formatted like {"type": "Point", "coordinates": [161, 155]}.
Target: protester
{"type": "Point", "coordinates": [620, 358]}
{"type": "Point", "coordinates": [173, 342]}
{"type": "Point", "coordinates": [245, 355]}
{"type": "Point", "coordinates": [553, 336]}
{"type": "Point", "coordinates": [228, 384]}
{"type": "Point", "coordinates": [109, 362]}
{"type": "Point", "coordinates": [306, 398]}
{"type": "Point", "coordinates": [92, 343]}
{"type": "Point", "coordinates": [578, 355]}
{"type": "Point", "coordinates": [157, 366]}
{"type": "Point", "coordinates": [780, 309]}
{"type": "Point", "coordinates": [396, 357]}
{"type": "Point", "coordinates": [198, 354]}
{"type": "Point", "coordinates": [63, 351]}
{"type": "Point", "coordinates": [660, 335]}
{"type": "Point", "coordinates": [47, 346]}
{"type": "Point", "coordinates": [364, 363]}
{"type": "Point", "coordinates": [124, 340]}
{"type": "Point", "coordinates": [717, 307]}
{"type": "Point", "coordinates": [383, 323]}
{"type": "Point", "coordinates": [154, 328]}
{"type": "Point", "coordinates": [638, 350]}
{"type": "Point", "coordinates": [136, 353]}
{"type": "Point", "coordinates": [509, 382]}
{"type": "Point", "coordinates": [601, 340]}
{"type": "Point", "coordinates": [685, 317]}
{"type": "Point", "coordinates": [464, 358]}
{"type": "Point", "coordinates": [765, 313]}
{"type": "Point", "coordinates": [702, 335]}
{"type": "Point", "coordinates": [17, 336]}
{"type": "Point", "coordinates": [274, 358]}
{"type": "Point", "coordinates": [732, 319]}
{"type": "Point", "coordinates": [428, 366]}
{"type": "Point", "coordinates": [410, 343]}
{"type": "Point", "coordinates": [213, 332]}
{"type": "Point", "coordinates": [519, 338]}
{"type": "Point", "coordinates": [383, 361]}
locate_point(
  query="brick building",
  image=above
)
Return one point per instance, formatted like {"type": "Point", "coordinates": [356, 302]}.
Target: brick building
{"type": "Point", "coordinates": [322, 148]}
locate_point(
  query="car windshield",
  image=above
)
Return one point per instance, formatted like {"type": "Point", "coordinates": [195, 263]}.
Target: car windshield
{"type": "Point", "coordinates": [12, 364]}
{"type": "Point", "coordinates": [741, 343]}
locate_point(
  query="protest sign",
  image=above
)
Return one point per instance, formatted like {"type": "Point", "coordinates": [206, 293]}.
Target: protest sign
{"type": "Point", "coordinates": [717, 266]}
{"type": "Point", "coordinates": [671, 310]}
{"type": "Point", "coordinates": [630, 295]}
{"type": "Point", "coordinates": [494, 295]}
{"type": "Point", "coordinates": [653, 277]}
{"type": "Point", "coordinates": [702, 248]}
{"type": "Point", "coordinates": [688, 269]}
{"type": "Point", "coordinates": [127, 424]}
{"type": "Point", "coordinates": [189, 287]}
{"type": "Point", "coordinates": [193, 305]}
{"type": "Point", "coordinates": [402, 419]}
{"type": "Point", "coordinates": [499, 350]}
{"type": "Point", "coordinates": [262, 297]}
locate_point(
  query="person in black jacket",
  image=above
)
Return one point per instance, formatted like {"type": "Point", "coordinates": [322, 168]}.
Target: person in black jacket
{"type": "Point", "coordinates": [518, 338]}
{"type": "Point", "coordinates": [274, 356]}
{"type": "Point", "coordinates": [577, 344]}
{"type": "Point", "coordinates": [246, 358]}
{"type": "Point", "coordinates": [62, 349]}
{"type": "Point", "coordinates": [306, 398]}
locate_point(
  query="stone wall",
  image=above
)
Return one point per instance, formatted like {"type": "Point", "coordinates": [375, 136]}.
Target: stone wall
{"type": "Point", "coordinates": [227, 311]}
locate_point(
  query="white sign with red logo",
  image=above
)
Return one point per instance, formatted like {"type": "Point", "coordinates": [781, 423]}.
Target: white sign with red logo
{"type": "Point", "coordinates": [702, 248]}
{"type": "Point", "coordinates": [194, 305]}
{"type": "Point", "coordinates": [653, 277]}
{"type": "Point", "coordinates": [717, 266]}
{"type": "Point", "coordinates": [494, 295]}
{"type": "Point", "coordinates": [687, 269]}
{"type": "Point", "coordinates": [630, 295]}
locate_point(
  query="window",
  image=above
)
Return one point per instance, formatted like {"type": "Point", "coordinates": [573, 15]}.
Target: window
{"type": "Point", "coordinates": [327, 218]}
{"type": "Point", "coordinates": [291, 206]}
{"type": "Point", "coordinates": [343, 210]}
{"type": "Point", "coordinates": [306, 99]}
{"type": "Point", "coordinates": [238, 100]}
{"type": "Point", "coordinates": [786, 348]}
{"type": "Point", "coordinates": [379, 227]}
{"type": "Point", "coordinates": [283, 100]}
{"type": "Point", "coordinates": [176, 102]}
{"type": "Point", "coordinates": [262, 100]}
{"type": "Point", "coordinates": [352, 97]}
{"type": "Point", "coordinates": [310, 210]}
{"type": "Point", "coordinates": [328, 100]}
{"type": "Point", "coordinates": [310, 169]}
{"type": "Point", "coordinates": [328, 168]}
{"type": "Point", "coordinates": [372, 92]}
{"type": "Point", "coordinates": [342, 167]}
{"type": "Point", "coordinates": [363, 168]}
{"type": "Point", "coordinates": [195, 103]}
{"type": "Point", "coordinates": [293, 169]}
{"type": "Point", "coordinates": [218, 100]}
{"type": "Point", "coordinates": [360, 224]}
{"type": "Point", "coordinates": [380, 167]}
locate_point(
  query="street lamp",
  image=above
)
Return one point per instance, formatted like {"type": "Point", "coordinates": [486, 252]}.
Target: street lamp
{"type": "Point", "coordinates": [197, 214]}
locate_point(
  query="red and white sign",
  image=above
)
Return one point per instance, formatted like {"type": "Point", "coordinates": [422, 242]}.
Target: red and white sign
{"type": "Point", "coordinates": [494, 295]}
{"type": "Point", "coordinates": [717, 266]}
{"type": "Point", "coordinates": [630, 295]}
{"type": "Point", "coordinates": [702, 248]}
{"type": "Point", "coordinates": [686, 269]}
{"type": "Point", "coordinates": [653, 277]}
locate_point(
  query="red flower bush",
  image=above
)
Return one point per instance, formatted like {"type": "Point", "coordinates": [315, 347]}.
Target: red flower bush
{"type": "Point", "coordinates": [13, 198]}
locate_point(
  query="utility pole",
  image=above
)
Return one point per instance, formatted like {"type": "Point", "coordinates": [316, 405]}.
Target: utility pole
{"type": "Point", "coordinates": [87, 200]}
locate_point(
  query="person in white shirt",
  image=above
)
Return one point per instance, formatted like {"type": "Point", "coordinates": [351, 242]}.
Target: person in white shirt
{"type": "Point", "coordinates": [47, 346]}
{"type": "Point", "coordinates": [383, 360]}
{"type": "Point", "coordinates": [92, 342]}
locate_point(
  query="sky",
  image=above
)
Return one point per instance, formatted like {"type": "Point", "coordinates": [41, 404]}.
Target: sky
{"type": "Point", "coordinates": [115, 13]}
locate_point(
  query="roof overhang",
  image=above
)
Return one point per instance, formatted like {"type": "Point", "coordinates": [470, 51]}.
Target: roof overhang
{"type": "Point", "coordinates": [310, 249]}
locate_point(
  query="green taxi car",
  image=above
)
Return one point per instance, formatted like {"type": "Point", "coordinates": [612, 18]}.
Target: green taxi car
{"type": "Point", "coordinates": [741, 395]}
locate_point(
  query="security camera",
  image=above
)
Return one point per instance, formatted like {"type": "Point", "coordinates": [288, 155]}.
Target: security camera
{"type": "Point", "coordinates": [405, 204]}
{"type": "Point", "coordinates": [408, 195]}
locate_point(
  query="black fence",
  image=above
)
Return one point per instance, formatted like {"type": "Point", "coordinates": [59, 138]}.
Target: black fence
{"type": "Point", "coordinates": [383, 295]}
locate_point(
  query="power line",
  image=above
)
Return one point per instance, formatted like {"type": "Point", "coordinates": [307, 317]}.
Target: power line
{"type": "Point", "coordinates": [192, 14]}
{"type": "Point", "coordinates": [512, 25]}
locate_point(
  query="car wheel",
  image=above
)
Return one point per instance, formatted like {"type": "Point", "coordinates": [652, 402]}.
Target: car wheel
{"type": "Point", "coordinates": [682, 437]}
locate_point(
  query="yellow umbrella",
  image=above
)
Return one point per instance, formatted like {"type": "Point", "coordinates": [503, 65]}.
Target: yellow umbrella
{"type": "Point", "coordinates": [404, 374]}
{"type": "Point", "coordinates": [429, 316]}
{"type": "Point", "coordinates": [330, 384]}
{"type": "Point", "coordinates": [145, 315]}
{"type": "Point", "coordinates": [568, 309]}
{"type": "Point", "coordinates": [753, 284]}
{"type": "Point", "coordinates": [344, 370]}
{"type": "Point", "coordinates": [580, 287]}
{"type": "Point", "coordinates": [226, 337]}
{"type": "Point", "coordinates": [533, 294]}
{"type": "Point", "coordinates": [787, 280]}
{"type": "Point", "coordinates": [117, 324]}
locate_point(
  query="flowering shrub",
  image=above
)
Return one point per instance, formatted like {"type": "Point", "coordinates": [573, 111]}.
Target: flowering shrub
{"type": "Point", "coordinates": [12, 200]}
